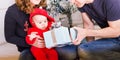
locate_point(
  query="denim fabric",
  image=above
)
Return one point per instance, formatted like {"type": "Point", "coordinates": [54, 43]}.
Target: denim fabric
{"type": "Point", "coordinates": [68, 52]}
{"type": "Point", "coordinates": [26, 55]}
{"type": "Point", "coordinates": [101, 49]}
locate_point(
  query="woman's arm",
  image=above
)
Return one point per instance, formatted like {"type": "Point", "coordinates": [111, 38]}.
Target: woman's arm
{"type": "Point", "coordinates": [10, 27]}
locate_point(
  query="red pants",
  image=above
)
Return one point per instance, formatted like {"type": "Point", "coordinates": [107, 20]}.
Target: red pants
{"type": "Point", "coordinates": [44, 53]}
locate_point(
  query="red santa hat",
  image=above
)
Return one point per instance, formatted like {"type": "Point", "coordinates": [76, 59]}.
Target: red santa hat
{"type": "Point", "coordinates": [38, 11]}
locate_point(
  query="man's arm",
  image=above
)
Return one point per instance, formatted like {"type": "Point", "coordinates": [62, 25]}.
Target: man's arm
{"type": "Point", "coordinates": [87, 24]}
{"type": "Point", "coordinates": [109, 32]}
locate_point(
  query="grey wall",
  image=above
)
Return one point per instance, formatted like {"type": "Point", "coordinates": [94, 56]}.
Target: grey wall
{"type": "Point", "coordinates": [3, 7]}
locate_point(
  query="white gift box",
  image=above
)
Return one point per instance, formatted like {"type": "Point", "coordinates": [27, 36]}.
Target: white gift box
{"type": "Point", "coordinates": [59, 36]}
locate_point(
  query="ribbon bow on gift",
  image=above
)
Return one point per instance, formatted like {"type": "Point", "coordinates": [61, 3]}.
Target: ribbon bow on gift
{"type": "Point", "coordinates": [56, 25]}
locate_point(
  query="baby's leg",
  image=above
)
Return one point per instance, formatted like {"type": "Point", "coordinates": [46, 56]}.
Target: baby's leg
{"type": "Point", "coordinates": [38, 53]}
{"type": "Point", "coordinates": [52, 54]}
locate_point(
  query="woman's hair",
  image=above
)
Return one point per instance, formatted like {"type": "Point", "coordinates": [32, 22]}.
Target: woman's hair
{"type": "Point", "coordinates": [26, 6]}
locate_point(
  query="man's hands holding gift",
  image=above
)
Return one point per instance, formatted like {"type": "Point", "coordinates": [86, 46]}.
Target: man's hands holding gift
{"type": "Point", "coordinates": [81, 34]}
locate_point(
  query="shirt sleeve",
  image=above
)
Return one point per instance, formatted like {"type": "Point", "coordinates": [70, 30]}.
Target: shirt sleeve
{"type": "Point", "coordinates": [113, 10]}
{"type": "Point", "coordinates": [82, 9]}
{"type": "Point", "coordinates": [10, 28]}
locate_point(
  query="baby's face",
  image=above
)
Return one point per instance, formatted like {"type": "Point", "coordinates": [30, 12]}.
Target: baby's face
{"type": "Point", "coordinates": [40, 21]}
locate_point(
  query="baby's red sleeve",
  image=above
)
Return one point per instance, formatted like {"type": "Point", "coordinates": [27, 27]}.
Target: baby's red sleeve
{"type": "Point", "coordinates": [30, 42]}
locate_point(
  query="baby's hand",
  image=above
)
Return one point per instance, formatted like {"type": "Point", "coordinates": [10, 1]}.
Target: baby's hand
{"type": "Point", "coordinates": [33, 35]}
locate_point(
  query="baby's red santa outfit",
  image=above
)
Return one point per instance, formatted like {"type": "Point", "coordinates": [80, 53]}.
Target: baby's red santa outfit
{"type": "Point", "coordinates": [41, 53]}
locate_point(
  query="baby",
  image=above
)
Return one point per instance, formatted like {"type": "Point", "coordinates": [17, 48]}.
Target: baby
{"type": "Point", "coordinates": [41, 22]}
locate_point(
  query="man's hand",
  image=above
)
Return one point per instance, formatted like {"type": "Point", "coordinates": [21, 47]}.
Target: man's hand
{"type": "Point", "coordinates": [81, 35]}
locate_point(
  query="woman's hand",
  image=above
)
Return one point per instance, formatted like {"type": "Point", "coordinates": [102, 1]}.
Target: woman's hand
{"type": "Point", "coordinates": [39, 42]}
{"type": "Point", "coordinates": [81, 35]}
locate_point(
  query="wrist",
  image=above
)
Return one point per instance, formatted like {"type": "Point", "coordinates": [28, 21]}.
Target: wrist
{"type": "Point", "coordinates": [88, 32]}
{"type": "Point", "coordinates": [91, 33]}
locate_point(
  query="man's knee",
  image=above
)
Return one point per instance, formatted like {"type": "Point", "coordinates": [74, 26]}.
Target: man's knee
{"type": "Point", "coordinates": [26, 55]}
{"type": "Point", "coordinates": [85, 52]}
{"type": "Point", "coordinates": [67, 52]}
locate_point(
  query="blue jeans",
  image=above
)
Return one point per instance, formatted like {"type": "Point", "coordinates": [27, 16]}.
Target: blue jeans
{"type": "Point", "coordinates": [65, 53]}
{"type": "Point", "coordinates": [101, 49]}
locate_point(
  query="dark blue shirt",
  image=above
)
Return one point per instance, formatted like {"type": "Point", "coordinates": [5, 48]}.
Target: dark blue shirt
{"type": "Point", "coordinates": [102, 11]}
{"type": "Point", "coordinates": [14, 27]}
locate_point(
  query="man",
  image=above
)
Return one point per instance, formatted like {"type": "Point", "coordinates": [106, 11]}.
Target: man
{"type": "Point", "coordinates": [106, 13]}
